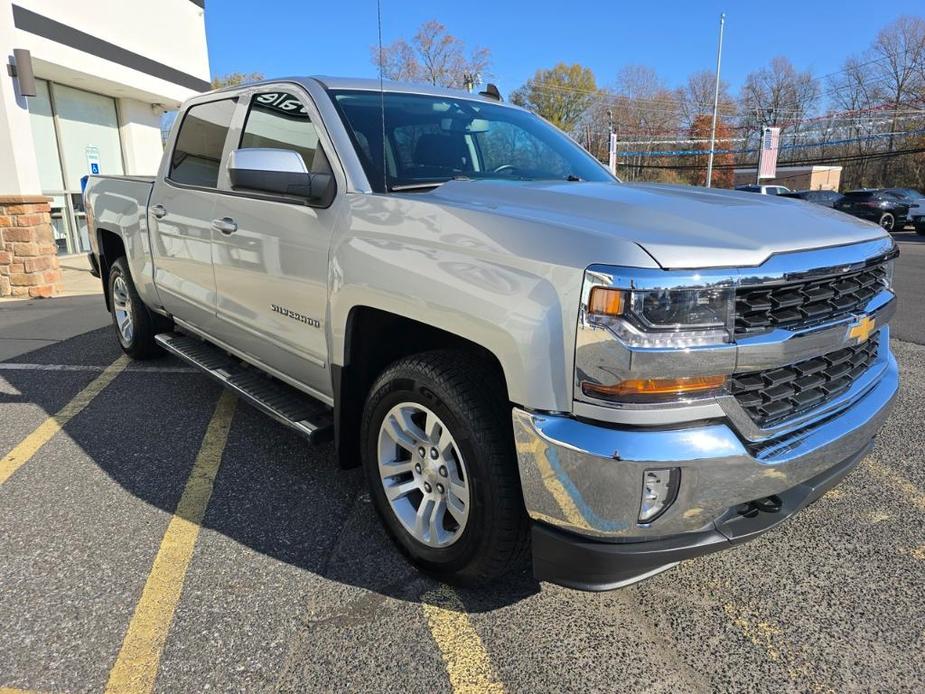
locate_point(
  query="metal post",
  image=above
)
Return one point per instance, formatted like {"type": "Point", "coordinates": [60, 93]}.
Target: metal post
{"type": "Point", "coordinates": [719, 59]}
{"type": "Point", "coordinates": [611, 145]}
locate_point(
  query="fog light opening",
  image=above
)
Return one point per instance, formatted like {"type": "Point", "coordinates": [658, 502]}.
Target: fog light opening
{"type": "Point", "coordinates": [659, 490]}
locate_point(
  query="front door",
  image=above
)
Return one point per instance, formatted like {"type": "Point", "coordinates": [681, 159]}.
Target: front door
{"type": "Point", "coordinates": [181, 211]}
{"type": "Point", "coordinates": [271, 257]}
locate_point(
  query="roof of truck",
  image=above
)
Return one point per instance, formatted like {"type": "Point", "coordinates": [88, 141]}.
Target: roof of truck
{"type": "Point", "coordinates": [370, 84]}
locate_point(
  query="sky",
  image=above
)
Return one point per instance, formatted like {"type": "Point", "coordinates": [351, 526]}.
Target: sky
{"type": "Point", "coordinates": [297, 37]}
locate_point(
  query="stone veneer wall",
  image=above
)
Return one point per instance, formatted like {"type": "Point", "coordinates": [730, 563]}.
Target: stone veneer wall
{"type": "Point", "coordinates": [28, 254]}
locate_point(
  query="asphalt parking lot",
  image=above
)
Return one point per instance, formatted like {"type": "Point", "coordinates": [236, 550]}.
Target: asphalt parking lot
{"type": "Point", "coordinates": [120, 571]}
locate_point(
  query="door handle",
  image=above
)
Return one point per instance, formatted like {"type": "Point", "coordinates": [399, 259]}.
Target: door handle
{"type": "Point", "coordinates": [226, 225]}
{"type": "Point", "coordinates": [159, 211]}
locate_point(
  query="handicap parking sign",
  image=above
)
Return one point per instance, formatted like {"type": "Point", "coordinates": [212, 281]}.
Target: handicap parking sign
{"type": "Point", "coordinates": [93, 159]}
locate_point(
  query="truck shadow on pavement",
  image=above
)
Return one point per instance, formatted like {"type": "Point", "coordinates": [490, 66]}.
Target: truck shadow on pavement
{"type": "Point", "coordinates": [274, 493]}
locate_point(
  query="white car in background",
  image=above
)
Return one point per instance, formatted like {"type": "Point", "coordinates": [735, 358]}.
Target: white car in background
{"type": "Point", "coordinates": [764, 190]}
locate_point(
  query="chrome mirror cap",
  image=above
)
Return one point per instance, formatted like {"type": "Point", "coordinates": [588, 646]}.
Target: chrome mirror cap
{"type": "Point", "coordinates": [267, 159]}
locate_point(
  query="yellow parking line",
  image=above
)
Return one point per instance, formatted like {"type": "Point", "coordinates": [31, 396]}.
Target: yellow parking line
{"type": "Point", "coordinates": [467, 662]}
{"type": "Point", "coordinates": [912, 493]}
{"type": "Point", "coordinates": [29, 446]}
{"type": "Point", "coordinates": [770, 637]}
{"type": "Point", "coordinates": [136, 667]}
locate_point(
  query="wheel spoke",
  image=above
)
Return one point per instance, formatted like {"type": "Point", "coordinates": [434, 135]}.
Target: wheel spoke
{"type": "Point", "coordinates": [395, 468]}
{"type": "Point", "coordinates": [456, 508]}
{"type": "Point", "coordinates": [396, 491]}
{"type": "Point", "coordinates": [432, 428]}
{"type": "Point", "coordinates": [459, 491]}
{"type": "Point", "coordinates": [436, 521]}
{"type": "Point", "coordinates": [445, 444]}
{"type": "Point", "coordinates": [398, 434]}
{"type": "Point", "coordinates": [420, 520]}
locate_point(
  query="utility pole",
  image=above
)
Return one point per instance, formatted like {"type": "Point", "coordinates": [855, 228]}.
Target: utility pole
{"type": "Point", "coordinates": [611, 144]}
{"type": "Point", "coordinates": [719, 60]}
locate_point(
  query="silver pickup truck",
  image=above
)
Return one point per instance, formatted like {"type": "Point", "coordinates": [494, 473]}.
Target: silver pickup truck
{"type": "Point", "coordinates": [525, 355]}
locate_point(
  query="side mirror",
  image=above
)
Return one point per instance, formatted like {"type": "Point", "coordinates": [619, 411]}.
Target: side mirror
{"type": "Point", "coordinates": [280, 171]}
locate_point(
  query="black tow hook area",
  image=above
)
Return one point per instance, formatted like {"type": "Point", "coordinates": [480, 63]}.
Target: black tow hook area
{"type": "Point", "coordinates": [769, 504]}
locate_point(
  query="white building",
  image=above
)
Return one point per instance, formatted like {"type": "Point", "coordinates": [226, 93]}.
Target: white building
{"type": "Point", "coordinates": [106, 71]}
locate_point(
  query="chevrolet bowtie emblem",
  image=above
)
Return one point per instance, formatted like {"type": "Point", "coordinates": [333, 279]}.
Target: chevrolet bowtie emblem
{"type": "Point", "coordinates": [863, 329]}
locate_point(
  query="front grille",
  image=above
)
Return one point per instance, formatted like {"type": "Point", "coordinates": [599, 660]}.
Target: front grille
{"type": "Point", "coordinates": [804, 303]}
{"type": "Point", "coordinates": [774, 395]}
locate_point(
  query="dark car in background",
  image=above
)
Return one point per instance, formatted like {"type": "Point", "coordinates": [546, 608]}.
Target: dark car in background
{"type": "Point", "coordinates": [826, 198]}
{"type": "Point", "coordinates": [916, 201]}
{"type": "Point", "coordinates": [881, 206]}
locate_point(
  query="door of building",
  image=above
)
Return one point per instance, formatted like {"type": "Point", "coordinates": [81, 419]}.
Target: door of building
{"type": "Point", "coordinates": [74, 132]}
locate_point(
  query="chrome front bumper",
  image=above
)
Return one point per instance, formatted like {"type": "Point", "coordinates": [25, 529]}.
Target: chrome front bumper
{"type": "Point", "coordinates": [586, 478]}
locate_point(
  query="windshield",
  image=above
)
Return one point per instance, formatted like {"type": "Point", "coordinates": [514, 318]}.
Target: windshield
{"type": "Point", "coordinates": [434, 139]}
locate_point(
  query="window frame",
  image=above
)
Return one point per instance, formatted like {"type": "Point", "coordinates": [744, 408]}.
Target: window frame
{"type": "Point", "coordinates": [176, 140]}
{"type": "Point", "coordinates": [242, 97]}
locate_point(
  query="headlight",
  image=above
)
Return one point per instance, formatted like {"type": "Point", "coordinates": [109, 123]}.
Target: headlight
{"type": "Point", "coordinates": [669, 318]}
{"type": "Point", "coordinates": [888, 273]}
{"type": "Point", "coordinates": [653, 336]}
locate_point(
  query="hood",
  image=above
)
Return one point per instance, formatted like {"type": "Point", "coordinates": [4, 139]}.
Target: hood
{"type": "Point", "coordinates": [679, 226]}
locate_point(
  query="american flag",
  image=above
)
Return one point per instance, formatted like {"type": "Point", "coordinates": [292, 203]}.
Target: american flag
{"type": "Point", "coordinates": [767, 166]}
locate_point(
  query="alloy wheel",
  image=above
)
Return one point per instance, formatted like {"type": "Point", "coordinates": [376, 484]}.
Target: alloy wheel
{"type": "Point", "coordinates": [122, 308]}
{"type": "Point", "coordinates": [423, 475]}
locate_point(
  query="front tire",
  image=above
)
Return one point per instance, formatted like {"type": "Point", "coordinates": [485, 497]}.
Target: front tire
{"type": "Point", "coordinates": [438, 452]}
{"type": "Point", "coordinates": [134, 324]}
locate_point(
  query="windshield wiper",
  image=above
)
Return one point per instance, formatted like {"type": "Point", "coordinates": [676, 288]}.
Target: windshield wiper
{"type": "Point", "coordinates": [423, 185]}
{"type": "Point", "coordinates": [573, 177]}
{"type": "Point", "coordinates": [417, 186]}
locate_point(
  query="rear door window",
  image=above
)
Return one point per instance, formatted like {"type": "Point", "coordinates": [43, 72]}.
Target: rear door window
{"type": "Point", "coordinates": [197, 155]}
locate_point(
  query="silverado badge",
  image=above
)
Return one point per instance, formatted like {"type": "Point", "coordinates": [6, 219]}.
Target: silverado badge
{"type": "Point", "coordinates": [863, 329]}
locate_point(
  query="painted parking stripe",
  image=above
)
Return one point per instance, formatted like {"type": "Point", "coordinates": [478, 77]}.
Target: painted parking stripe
{"type": "Point", "coordinates": [29, 446]}
{"type": "Point", "coordinates": [13, 366]}
{"type": "Point", "coordinates": [467, 661]}
{"type": "Point", "coordinates": [136, 666]}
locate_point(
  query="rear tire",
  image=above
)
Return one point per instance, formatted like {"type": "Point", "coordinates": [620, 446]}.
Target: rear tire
{"type": "Point", "coordinates": [920, 228]}
{"type": "Point", "coordinates": [888, 221]}
{"type": "Point", "coordinates": [451, 406]}
{"type": "Point", "coordinates": [134, 323]}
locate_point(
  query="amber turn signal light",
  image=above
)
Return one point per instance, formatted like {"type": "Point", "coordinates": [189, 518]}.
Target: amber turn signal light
{"type": "Point", "coordinates": [635, 388]}
{"type": "Point", "coordinates": [605, 302]}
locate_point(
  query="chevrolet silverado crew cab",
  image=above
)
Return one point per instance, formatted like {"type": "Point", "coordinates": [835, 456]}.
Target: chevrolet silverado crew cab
{"type": "Point", "coordinates": [527, 356]}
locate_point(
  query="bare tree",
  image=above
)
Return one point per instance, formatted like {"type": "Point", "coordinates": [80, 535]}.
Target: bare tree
{"type": "Point", "coordinates": [233, 79]}
{"type": "Point", "coordinates": [900, 47]}
{"type": "Point", "coordinates": [434, 56]}
{"type": "Point", "coordinates": [644, 109]}
{"type": "Point", "coordinates": [696, 98]}
{"type": "Point", "coordinates": [778, 93]}
{"type": "Point", "coordinates": [560, 94]}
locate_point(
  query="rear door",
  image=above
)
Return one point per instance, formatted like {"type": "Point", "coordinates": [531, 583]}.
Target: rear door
{"type": "Point", "coordinates": [181, 211]}
{"type": "Point", "coordinates": [271, 271]}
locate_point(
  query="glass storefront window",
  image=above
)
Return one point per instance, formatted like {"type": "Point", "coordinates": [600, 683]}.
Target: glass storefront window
{"type": "Point", "coordinates": [74, 133]}
{"type": "Point", "coordinates": [44, 138]}
{"type": "Point", "coordinates": [59, 223]}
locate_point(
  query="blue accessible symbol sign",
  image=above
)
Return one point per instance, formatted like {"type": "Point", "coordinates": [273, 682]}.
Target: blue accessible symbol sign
{"type": "Point", "coordinates": [93, 159]}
